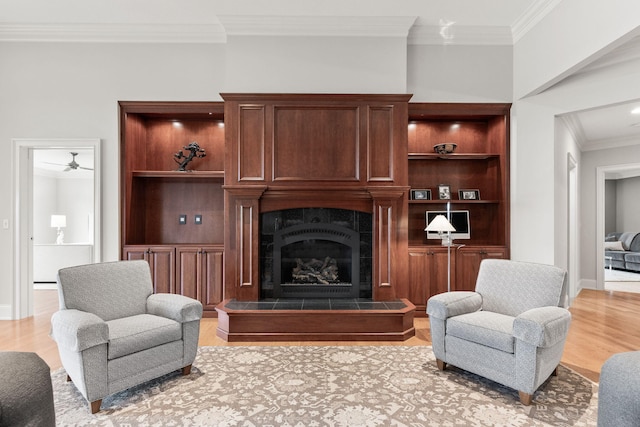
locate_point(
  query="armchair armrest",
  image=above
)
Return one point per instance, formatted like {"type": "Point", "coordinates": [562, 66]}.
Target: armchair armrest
{"type": "Point", "coordinates": [78, 330]}
{"type": "Point", "coordinates": [543, 326]}
{"type": "Point", "coordinates": [443, 306]}
{"type": "Point", "coordinates": [176, 307]}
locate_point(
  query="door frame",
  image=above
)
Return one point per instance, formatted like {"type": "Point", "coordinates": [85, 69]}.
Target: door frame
{"type": "Point", "coordinates": [23, 212]}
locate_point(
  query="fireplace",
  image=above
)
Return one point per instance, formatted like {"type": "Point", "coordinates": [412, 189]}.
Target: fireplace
{"type": "Point", "coordinates": [315, 253]}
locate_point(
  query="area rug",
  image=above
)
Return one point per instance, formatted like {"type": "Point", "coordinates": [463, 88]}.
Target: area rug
{"type": "Point", "coordinates": [620, 276]}
{"type": "Point", "coordinates": [329, 386]}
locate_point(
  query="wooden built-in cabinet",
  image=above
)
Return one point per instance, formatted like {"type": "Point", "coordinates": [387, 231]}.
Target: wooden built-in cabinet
{"type": "Point", "coordinates": [480, 162]}
{"type": "Point", "coordinates": [186, 256]}
{"type": "Point", "coordinates": [283, 151]}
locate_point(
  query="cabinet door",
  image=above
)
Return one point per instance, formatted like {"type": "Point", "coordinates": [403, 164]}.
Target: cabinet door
{"type": "Point", "coordinates": [419, 277]}
{"type": "Point", "coordinates": [199, 274]}
{"type": "Point", "coordinates": [132, 253]}
{"type": "Point", "coordinates": [188, 271]}
{"type": "Point", "coordinates": [427, 274]}
{"type": "Point", "coordinates": [468, 265]}
{"type": "Point", "coordinates": [161, 261]}
{"type": "Point", "coordinates": [212, 283]}
{"type": "Point", "coordinates": [441, 271]}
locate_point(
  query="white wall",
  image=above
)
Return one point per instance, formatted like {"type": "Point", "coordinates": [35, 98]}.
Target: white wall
{"type": "Point", "coordinates": [628, 204]}
{"type": "Point", "coordinates": [454, 73]}
{"type": "Point", "coordinates": [566, 37]}
{"type": "Point", "coordinates": [76, 87]}
{"type": "Point", "coordinates": [44, 205]}
{"type": "Point", "coordinates": [540, 57]}
{"type": "Point", "coordinates": [71, 90]}
{"type": "Point", "coordinates": [316, 64]}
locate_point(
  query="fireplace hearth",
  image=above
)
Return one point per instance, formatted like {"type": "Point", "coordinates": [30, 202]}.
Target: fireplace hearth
{"type": "Point", "coordinates": [316, 253]}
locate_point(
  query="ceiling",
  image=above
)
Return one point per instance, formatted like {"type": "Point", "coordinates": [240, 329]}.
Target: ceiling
{"type": "Point", "coordinates": [434, 21]}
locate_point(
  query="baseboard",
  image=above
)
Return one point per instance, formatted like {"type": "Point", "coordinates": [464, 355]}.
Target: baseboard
{"type": "Point", "coordinates": [5, 312]}
{"type": "Point", "coordinates": [587, 284]}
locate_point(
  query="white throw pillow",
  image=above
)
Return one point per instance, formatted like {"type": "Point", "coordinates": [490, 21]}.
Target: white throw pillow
{"type": "Point", "coordinates": [613, 246]}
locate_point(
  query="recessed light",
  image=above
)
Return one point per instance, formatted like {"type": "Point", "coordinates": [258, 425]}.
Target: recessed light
{"type": "Point", "coordinates": [635, 110]}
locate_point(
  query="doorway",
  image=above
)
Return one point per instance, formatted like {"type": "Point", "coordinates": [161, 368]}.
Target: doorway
{"type": "Point", "coordinates": [602, 174]}
{"type": "Point", "coordinates": [24, 178]}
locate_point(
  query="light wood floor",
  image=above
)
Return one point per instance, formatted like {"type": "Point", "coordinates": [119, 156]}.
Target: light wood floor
{"type": "Point", "coordinates": [604, 323]}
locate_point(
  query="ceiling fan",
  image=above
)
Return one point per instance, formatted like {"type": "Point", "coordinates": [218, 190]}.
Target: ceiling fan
{"type": "Point", "coordinates": [72, 165]}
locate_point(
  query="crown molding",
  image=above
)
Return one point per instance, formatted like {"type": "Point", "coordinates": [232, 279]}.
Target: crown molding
{"type": "Point", "coordinates": [460, 35]}
{"type": "Point", "coordinates": [609, 143]}
{"type": "Point", "coordinates": [531, 17]}
{"type": "Point", "coordinates": [574, 125]}
{"type": "Point", "coordinates": [361, 26]}
{"type": "Point", "coordinates": [112, 33]}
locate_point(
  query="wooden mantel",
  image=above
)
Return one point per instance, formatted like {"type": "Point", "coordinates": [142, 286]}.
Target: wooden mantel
{"type": "Point", "coordinates": [315, 150]}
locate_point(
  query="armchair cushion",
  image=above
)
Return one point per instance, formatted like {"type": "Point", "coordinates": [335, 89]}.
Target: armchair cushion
{"type": "Point", "coordinates": [177, 307]}
{"type": "Point", "coordinates": [443, 306]}
{"type": "Point", "coordinates": [77, 330]}
{"type": "Point", "coordinates": [542, 326]}
{"type": "Point", "coordinates": [136, 333]}
{"type": "Point", "coordinates": [110, 290]}
{"type": "Point", "coordinates": [483, 327]}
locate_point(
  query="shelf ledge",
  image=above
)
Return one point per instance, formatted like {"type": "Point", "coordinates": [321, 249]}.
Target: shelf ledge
{"type": "Point", "coordinates": [178, 174]}
{"type": "Point", "coordinates": [453, 156]}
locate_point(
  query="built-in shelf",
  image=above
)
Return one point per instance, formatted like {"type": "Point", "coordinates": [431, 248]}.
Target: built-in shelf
{"type": "Point", "coordinates": [453, 156]}
{"type": "Point", "coordinates": [453, 202]}
{"type": "Point", "coordinates": [178, 174]}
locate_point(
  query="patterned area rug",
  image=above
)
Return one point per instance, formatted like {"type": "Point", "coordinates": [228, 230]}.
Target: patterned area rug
{"type": "Point", "coordinates": [329, 386]}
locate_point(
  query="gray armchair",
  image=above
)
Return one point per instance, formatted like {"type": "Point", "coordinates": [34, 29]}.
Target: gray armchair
{"type": "Point", "coordinates": [511, 330]}
{"type": "Point", "coordinates": [113, 333]}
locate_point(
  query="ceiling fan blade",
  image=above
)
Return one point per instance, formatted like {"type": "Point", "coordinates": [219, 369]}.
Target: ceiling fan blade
{"type": "Point", "coordinates": [67, 169]}
{"type": "Point", "coordinates": [87, 169]}
{"type": "Point", "coordinates": [56, 164]}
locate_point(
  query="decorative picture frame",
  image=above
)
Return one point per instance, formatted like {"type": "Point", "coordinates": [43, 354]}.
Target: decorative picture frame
{"type": "Point", "coordinates": [421, 194]}
{"type": "Point", "coordinates": [444, 192]}
{"type": "Point", "coordinates": [469, 194]}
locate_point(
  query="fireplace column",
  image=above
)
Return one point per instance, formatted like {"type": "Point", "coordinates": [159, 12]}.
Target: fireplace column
{"type": "Point", "coordinates": [242, 248]}
{"type": "Point", "coordinates": [389, 242]}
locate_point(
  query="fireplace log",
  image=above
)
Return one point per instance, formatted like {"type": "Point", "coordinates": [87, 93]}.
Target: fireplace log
{"type": "Point", "coordinates": [316, 271]}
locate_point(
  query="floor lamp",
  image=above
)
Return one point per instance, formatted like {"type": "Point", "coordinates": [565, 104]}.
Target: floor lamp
{"type": "Point", "coordinates": [444, 229]}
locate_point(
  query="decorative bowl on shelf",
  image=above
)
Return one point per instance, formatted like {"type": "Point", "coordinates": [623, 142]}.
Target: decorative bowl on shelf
{"type": "Point", "coordinates": [445, 148]}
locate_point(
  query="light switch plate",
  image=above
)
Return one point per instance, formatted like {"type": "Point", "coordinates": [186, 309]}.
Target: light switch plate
{"type": "Point", "coordinates": [198, 219]}
{"type": "Point", "coordinates": [182, 219]}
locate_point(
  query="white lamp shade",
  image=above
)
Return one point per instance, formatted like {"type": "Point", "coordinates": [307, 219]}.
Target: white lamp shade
{"type": "Point", "coordinates": [440, 224]}
{"type": "Point", "coordinates": [58, 221]}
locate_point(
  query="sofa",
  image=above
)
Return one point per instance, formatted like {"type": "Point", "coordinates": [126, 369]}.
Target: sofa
{"type": "Point", "coordinates": [622, 251]}
{"type": "Point", "coordinates": [619, 391]}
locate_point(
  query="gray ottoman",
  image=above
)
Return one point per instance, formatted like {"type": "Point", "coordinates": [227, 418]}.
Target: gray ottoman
{"type": "Point", "coordinates": [619, 391]}
{"type": "Point", "coordinates": [26, 392]}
